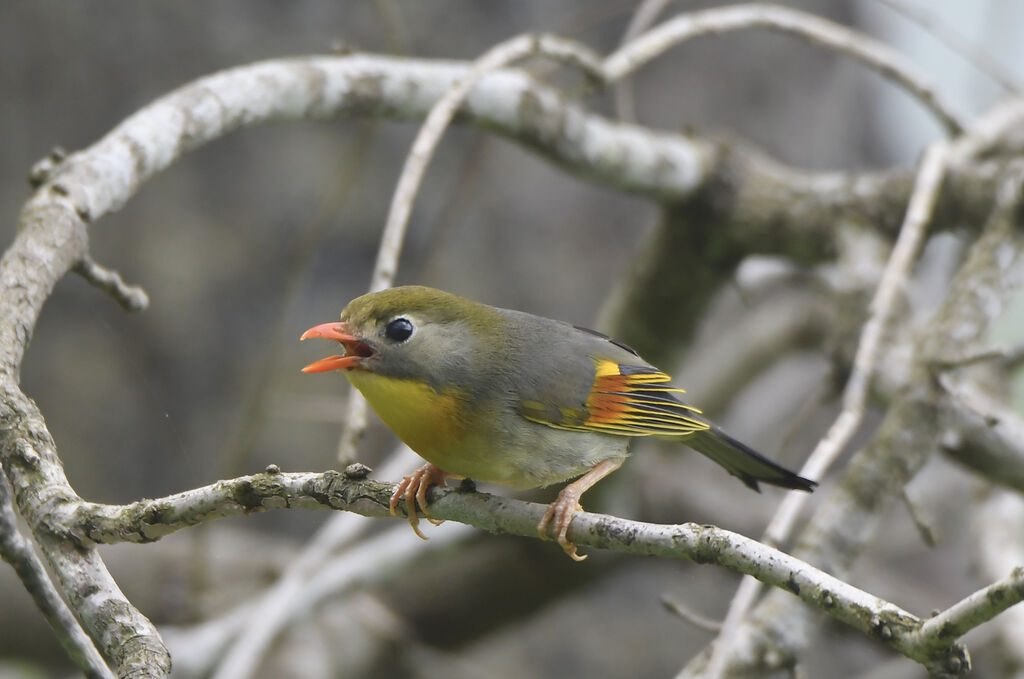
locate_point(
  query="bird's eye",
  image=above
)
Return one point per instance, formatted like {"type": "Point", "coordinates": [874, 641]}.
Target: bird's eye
{"type": "Point", "coordinates": [399, 330]}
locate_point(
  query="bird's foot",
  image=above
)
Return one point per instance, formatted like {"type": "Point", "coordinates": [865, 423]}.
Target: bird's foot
{"type": "Point", "coordinates": [413, 489]}
{"type": "Point", "coordinates": [564, 508]}
{"type": "Point", "coordinates": [559, 515]}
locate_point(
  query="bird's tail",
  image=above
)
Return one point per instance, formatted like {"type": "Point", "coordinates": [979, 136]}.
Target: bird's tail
{"type": "Point", "coordinates": [744, 462]}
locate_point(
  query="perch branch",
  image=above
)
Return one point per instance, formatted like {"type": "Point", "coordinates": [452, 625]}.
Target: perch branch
{"type": "Point", "coordinates": [148, 520]}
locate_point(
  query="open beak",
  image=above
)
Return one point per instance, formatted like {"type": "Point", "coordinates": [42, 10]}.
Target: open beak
{"type": "Point", "coordinates": [355, 349]}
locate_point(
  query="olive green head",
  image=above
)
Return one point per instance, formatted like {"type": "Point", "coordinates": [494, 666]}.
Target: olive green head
{"type": "Point", "coordinates": [415, 333]}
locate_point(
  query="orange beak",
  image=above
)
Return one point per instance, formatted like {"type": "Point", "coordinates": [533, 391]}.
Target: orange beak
{"type": "Point", "coordinates": [355, 349]}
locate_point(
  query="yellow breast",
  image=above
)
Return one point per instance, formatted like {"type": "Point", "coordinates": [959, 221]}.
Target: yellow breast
{"type": "Point", "coordinates": [427, 421]}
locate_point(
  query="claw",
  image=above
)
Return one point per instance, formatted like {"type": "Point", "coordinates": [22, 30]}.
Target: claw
{"type": "Point", "coordinates": [413, 489]}
{"type": "Point", "coordinates": [560, 513]}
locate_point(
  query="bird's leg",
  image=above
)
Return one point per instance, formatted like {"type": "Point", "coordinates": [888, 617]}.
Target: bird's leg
{"type": "Point", "coordinates": [413, 489]}
{"type": "Point", "coordinates": [565, 506]}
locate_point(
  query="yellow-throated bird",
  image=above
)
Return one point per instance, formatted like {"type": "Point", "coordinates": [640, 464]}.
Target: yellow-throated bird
{"type": "Point", "coordinates": [508, 397]}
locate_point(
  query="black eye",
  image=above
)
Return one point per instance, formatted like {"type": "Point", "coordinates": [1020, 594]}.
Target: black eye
{"type": "Point", "coordinates": [399, 329]}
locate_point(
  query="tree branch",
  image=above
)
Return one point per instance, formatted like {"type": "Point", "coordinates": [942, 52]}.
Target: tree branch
{"type": "Point", "coordinates": [127, 640]}
{"type": "Point", "coordinates": [911, 429]}
{"type": "Point", "coordinates": [983, 434]}
{"type": "Point", "coordinates": [946, 627]}
{"type": "Point", "coordinates": [18, 552]}
{"type": "Point", "coordinates": [148, 520]}
{"type": "Point", "coordinates": [131, 297]}
{"type": "Point", "coordinates": [971, 52]}
{"type": "Point", "coordinates": [875, 55]}
{"type": "Point", "coordinates": [998, 530]}
{"type": "Point", "coordinates": [919, 213]}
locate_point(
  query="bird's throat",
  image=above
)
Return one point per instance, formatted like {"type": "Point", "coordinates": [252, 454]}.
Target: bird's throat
{"type": "Point", "coordinates": [424, 419]}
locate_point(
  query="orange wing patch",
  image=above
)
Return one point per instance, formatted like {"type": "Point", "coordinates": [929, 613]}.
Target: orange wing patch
{"type": "Point", "coordinates": [638, 401]}
{"type": "Point", "coordinates": [624, 400]}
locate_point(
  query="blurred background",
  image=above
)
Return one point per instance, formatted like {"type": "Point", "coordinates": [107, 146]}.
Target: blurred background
{"type": "Point", "coordinates": [248, 241]}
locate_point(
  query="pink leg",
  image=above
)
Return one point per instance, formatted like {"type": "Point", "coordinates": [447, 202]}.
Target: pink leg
{"type": "Point", "coordinates": [565, 506]}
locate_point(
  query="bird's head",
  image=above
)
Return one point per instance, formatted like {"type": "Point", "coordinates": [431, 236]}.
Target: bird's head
{"type": "Point", "coordinates": [410, 332]}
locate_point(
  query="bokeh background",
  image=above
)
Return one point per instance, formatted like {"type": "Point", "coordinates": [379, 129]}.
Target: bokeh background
{"type": "Point", "coordinates": [248, 241]}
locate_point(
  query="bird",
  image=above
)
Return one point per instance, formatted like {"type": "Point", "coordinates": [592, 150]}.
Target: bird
{"type": "Point", "coordinates": [504, 396]}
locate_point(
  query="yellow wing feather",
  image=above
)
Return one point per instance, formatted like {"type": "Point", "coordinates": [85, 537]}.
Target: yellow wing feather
{"type": "Point", "coordinates": [626, 400]}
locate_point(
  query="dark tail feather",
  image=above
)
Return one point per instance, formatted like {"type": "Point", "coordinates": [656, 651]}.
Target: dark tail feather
{"type": "Point", "coordinates": [744, 462]}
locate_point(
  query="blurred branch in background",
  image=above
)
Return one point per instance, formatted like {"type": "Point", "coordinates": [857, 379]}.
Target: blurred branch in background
{"type": "Point", "coordinates": [920, 211]}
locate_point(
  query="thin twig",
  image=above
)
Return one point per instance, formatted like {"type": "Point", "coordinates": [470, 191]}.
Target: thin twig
{"type": "Point", "coordinates": [646, 14]}
{"type": "Point", "coordinates": [131, 297]}
{"type": "Point", "coordinates": [998, 532]}
{"type": "Point", "coordinates": [897, 271]}
{"type": "Point", "coordinates": [946, 627]}
{"type": "Point", "coordinates": [881, 310]}
{"type": "Point", "coordinates": [238, 445]}
{"type": "Point", "coordinates": [972, 52]}
{"type": "Point", "coordinates": [914, 424]}
{"type": "Point", "coordinates": [437, 122]}
{"type": "Point", "coordinates": [698, 620]}
{"type": "Point", "coordinates": [873, 54]}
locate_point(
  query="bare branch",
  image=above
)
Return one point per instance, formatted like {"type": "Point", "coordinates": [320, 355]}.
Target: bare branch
{"type": "Point", "coordinates": [920, 212]}
{"type": "Point", "coordinates": [873, 54]}
{"type": "Point", "coordinates": [151, 519]}
{"type": "Point", "coordinates": [983, 434]}
{"type": "Point", "coordinates": [437, 122]}
{"type": "Point", "coordinates": [696, 619]}
{"type": "Point", "coordinates": [51, 239]}
{"type": "Point", "coordinates": [127, 640]}
{"type": "Point", "coordinates": [911, 429]}
{"type": "Point", "coordinates": [941, 630]}
{"type": "Point", "coordinates": [646, 13]}
{"type": "Point", "coordinates": [18, 552]}
{"type": "Point", "coordinates": [855, 395]}
{"type": "Point", "coordinates": [999, 532]}
{"type": "Point", "coordinates": [973, 53]}
{"type": "Point", "coordinates": [131, 297]}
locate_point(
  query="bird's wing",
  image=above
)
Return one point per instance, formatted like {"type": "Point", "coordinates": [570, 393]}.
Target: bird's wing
{"type": "Point", "coordinates": [627, 400]}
